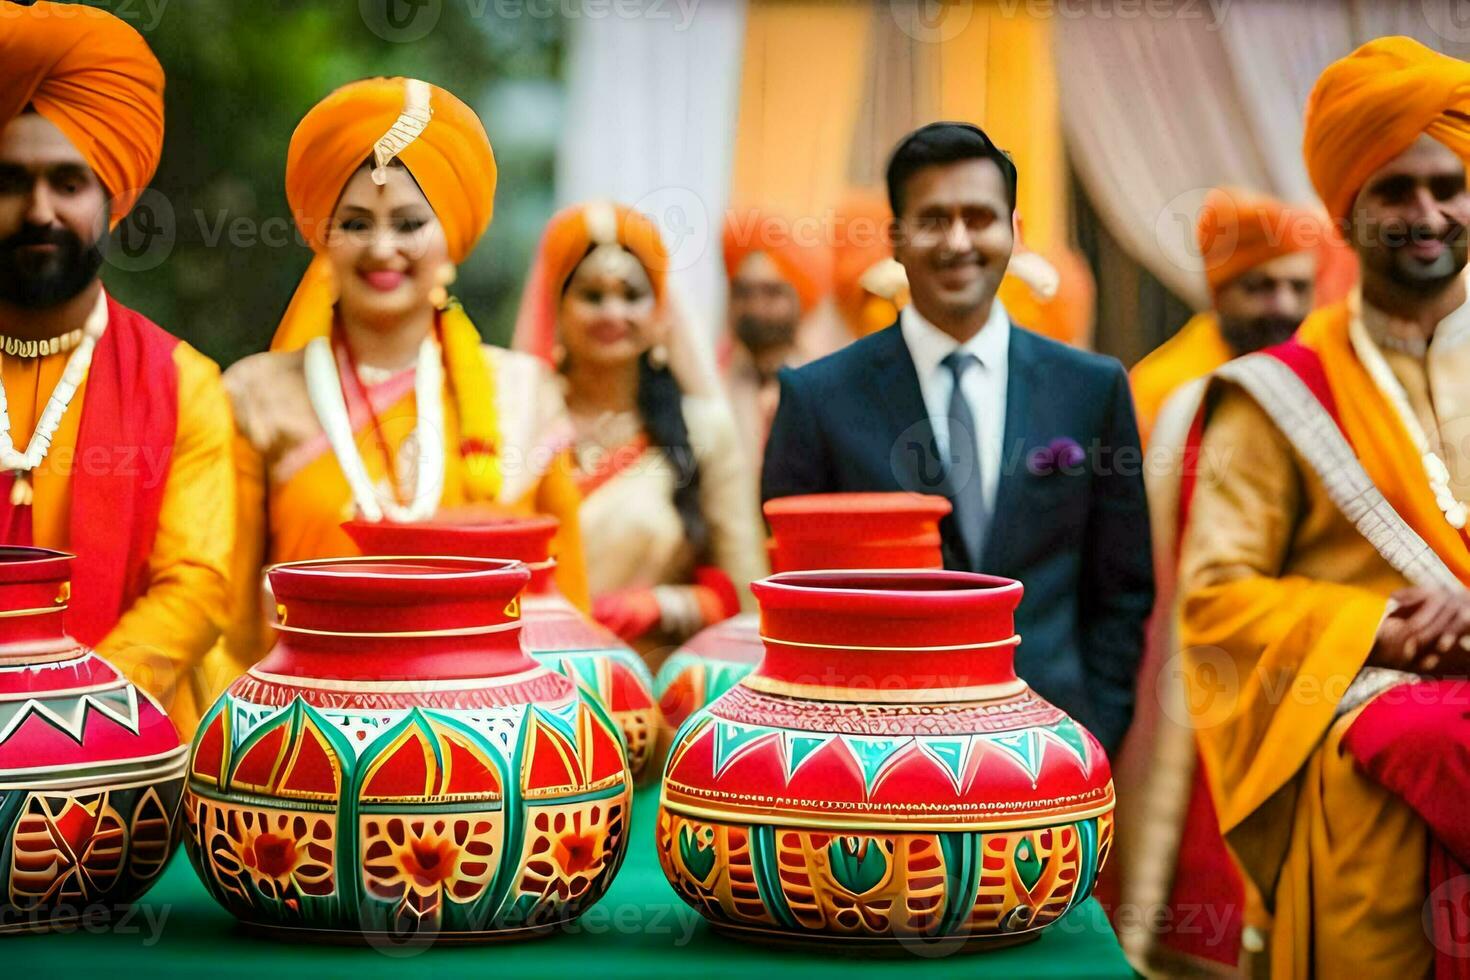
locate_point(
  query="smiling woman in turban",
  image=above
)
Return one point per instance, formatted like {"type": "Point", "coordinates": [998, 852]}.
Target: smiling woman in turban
{"type": "Point", "coordinates": [377, 399]}
{"type": "Point", "coordinates": [669, 505]}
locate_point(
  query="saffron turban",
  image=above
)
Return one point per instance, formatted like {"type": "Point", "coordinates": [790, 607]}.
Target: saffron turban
{"type": "Point", "coordinates": [1372, 105]}
{"type": "Point", "coordinates": [868, 284]}
{"type": "Point", "coordinates": [441, 143]}
{"type": "Point", "coordinates": [570, 235]}
{"type": "Point", "coordinates": [1238, 230]}
{"type": "Point", "coordinates": [805, 265]}
{"type": "Point", "coordinates": [434, 135]}
{"type": "Point", "coordinates": [573, 233]}
{"type": "Point", "coordinates": [93, 77]}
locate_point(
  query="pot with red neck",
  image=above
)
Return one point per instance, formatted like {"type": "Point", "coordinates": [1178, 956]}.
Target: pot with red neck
{"type": "Point", "coordinates": [808, 532]}
{"type": "Point", "coordinates": [883, 776]}
{"type": "Point", "coordinates": [553, 629]}
{"type": "Point", "coordinates": [91, 768]}
{"type": "Point", "coordinates": [399, 769]}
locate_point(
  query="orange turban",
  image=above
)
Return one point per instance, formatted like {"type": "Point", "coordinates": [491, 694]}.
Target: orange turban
{"type": "Point", "coordinates": [95, 79]}
{"type": "Point", "coordinates": [570, 235]}
{"type": "Point", "coordinates": [1062, 312]}
{"type": "Point", "coordinates": [862, 258]}
{"type": "Point", "coordinates": [1372, 105]}
{"type": "Point", "coordinates": [450, 157]}
{"type": "Point", "coordinates": [1238, 230]}
{"type": "Point", "coordinates": [446, 150]}
{"type": "Point", "coordinates": [574, 231]}
{"type": "Point", "coordinates": [805, 265]}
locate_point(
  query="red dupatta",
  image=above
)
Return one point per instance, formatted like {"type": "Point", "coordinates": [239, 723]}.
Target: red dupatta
{"type": "Point", "coordinates": [124, 451]}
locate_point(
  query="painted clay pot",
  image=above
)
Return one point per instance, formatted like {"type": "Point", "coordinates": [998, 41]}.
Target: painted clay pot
{"type": "Point", "coordinates": [810, 532]}
{"type": "Point", "coordinates": [883, 776]}
{"type": "Point", "coordinates": [398, 766]}
{"type": "Point", "coordinates": [91, 768]}
{"type": "Point", "coordinates": [552, 629]}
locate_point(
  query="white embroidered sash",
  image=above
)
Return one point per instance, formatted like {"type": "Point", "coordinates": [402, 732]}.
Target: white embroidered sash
{"type": "Point", "coordinates": [1315, 436]}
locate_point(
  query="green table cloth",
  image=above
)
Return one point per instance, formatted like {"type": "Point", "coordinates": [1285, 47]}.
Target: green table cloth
{"type": "Point", "coordinates": [640, 929]}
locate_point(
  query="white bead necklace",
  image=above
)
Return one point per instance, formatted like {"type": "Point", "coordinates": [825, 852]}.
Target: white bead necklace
{"type": "Point", "coordinates": [1438, 474]}
{"type": "Point", "coordinates": [22, 463]}
{"type": "Point", "coordinates": [15, 347]}
{"type": "Point", "coordinates": [324, 386]}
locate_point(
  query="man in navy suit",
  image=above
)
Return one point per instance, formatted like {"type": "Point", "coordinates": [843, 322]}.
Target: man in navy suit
{"type": "Point", "coordinates": [1033, 442]}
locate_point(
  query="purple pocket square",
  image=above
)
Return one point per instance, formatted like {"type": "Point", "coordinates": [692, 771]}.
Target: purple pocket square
{"type": "Point", "coordinates": [1061, 453]}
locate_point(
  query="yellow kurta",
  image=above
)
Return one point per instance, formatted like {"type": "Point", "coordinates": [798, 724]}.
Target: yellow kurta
{"type": "Point", "coordinates": [161, 641]}
{"type": "Point", "coordinates": [1283, 600]}
{"type": "Point", "coordinates": [293, 498]}
{"type": "Point", "coordinates": [1196, 350]}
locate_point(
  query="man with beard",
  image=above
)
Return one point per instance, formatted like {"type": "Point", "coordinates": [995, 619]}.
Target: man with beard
{"type": "Point", "coordinates": [778, 273]}
{"type": "Point", "coordinates": [1033, 442]}
{"type": "Point", "coordinates": [1260, 261]}
{"type": "Point", "coordinates": [1325, 620]}
{"type": "Point", "coordinates": [115, 437]}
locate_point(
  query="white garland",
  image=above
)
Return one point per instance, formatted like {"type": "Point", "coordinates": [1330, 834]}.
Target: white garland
{"type": "Point", "coordinates": [1438, 474]}
{"type": "Point", "coordinates": [72, 377]}
{"type": "Point", "coordinates": [324, 386]}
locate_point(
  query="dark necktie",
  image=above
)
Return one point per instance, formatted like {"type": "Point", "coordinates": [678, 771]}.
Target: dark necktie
{"type": "Point", "coordinates": [964, 466]}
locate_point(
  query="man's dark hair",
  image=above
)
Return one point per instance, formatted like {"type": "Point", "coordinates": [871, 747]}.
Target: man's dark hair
{"type": "Point", "coordinates": [941, 143]}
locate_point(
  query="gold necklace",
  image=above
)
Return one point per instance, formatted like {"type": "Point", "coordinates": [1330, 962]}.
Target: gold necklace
{"type": "Point", "coordinates": [15, 347]}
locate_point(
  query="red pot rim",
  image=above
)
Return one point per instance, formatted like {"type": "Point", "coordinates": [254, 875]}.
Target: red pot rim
{"type": "Point", "coordinates": [20, 564]}
{"type": "Point", "coordinates": [906, 593]}
{"type": "Point", "coordinates": [895, 503]}
{"type": "Point", "coordinates": [525, 539]}
{"type": "Point", "coordinates": [414, 578]}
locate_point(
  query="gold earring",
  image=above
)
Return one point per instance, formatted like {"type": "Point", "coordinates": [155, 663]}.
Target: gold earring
{"type": "Point", "coordinates": [443, 279]}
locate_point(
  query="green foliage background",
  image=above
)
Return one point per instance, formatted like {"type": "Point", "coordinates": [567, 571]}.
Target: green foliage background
{"type": "Point", "coordinates": [241, 74]}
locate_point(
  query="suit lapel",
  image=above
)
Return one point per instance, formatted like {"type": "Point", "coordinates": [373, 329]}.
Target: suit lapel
{"type": "Point", "coordinates": [1020, 421]}
{"type": "Point", "coordinates": [909, 441]}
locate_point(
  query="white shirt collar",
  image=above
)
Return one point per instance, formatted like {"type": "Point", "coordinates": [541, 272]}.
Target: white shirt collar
{"type": "Point", "coordinates": [928, 345]}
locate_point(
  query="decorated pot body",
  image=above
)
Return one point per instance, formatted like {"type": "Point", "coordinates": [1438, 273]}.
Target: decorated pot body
{"type": "Point", "coordinates": [809, 532]}
{"type": "Point", "coordinates": [553, 630]}
{"type": "Point", "coordinates": [398, 766]}
{"type": "Point", "coordinates": [883, 776]}
{"type": "Point", "coordinates": [603, 666]}
{"type": "Point", "coordinates": [91, 768]}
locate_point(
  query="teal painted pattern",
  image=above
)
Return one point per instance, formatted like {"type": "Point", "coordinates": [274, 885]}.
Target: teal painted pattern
{"type": "Point", "coordinates": [407, 821]}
